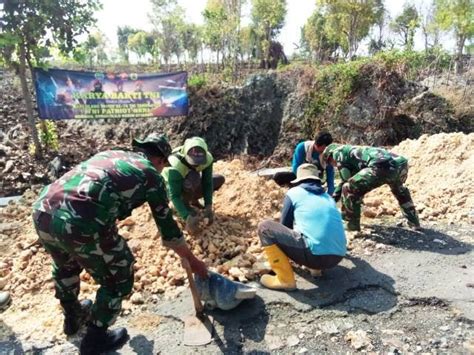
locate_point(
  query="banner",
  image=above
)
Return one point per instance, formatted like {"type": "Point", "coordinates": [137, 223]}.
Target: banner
{"type": "Point", "coordinates": [67, 94]}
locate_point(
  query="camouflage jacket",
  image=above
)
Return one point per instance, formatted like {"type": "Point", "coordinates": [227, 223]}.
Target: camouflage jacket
{"type": "Point", "coordinates": [352, 159]}
{"type": "Point", "coordinates": [108, 187]}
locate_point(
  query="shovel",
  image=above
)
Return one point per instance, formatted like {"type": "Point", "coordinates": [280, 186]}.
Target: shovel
{"type": "Point", "coordinates": [198, 328]}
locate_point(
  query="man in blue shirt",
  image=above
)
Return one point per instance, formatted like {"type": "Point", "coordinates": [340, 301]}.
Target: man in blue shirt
{"type": "Point", "coordinates": [310, 232]}
{"type": "Point", "coordinates": [308, 152]}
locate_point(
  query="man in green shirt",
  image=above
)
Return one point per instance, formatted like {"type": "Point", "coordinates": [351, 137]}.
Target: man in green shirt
{"type": "Point", "coordinates": [188, 178]}
{"type": "Point", "coordinates": [75, 218]}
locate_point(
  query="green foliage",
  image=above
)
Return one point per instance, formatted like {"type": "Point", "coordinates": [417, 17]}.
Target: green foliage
{"type": "Point", "coordinates": [123, 33]}
{"type": "Point", "coordinates": [30, 28]}
{"type": "Point", "coordinates": [192, 40]}
{"type": "Point", "coordinates": [222, 29]}
{"type": "Point", "coordinates": [348, 22]}
{"type": "Point", "coordinates": [197, 81]}
{"type": "Point", "coordinates": [167, 18]}
{"type": "Point", "coordinates": [142, 43]}
{"type": "Point", "coordinates": [314, 36]}
{"type": "Point", "coordinates": [48, 135]}
{"type": "Point", "coordinates": [38, 24]}
{"type": "Point", "coordinates": [410, 63]}
{"type": "Point", "coordinates": [405, 25]}
{"type": "Point", "coordinates": [334, 84]}
{"type": "Point", "coordinates": [227, 74]}
{"type": "Point", "coordinates": [248, 41]}
{"type": "Point", "coordinates": [457, 16]}
{"type": "Point", "coordinates": [214, 17]}
{"type": "Point", "coordinates": [268, 18]}
{"type": "Point", "coordinates": [94, 49]}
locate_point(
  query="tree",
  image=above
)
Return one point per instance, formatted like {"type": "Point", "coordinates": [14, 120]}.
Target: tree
{"type": "Point", "coordinates": [457, 16]}
{"type": "Point", "coordinates": [28, 28]}
{"type": "Point", "coordinates": [167, 18]}
{"type": "Point", "coordinates": [123, 33]}
{"type": "Point", "coordinates": [247, 42]}
{"type": "Point", "coordinates": [348, 22]}
{"type": "Point", "coordinates": [95, 48]}
{"type": "Point", "coordinates": [214, 29]}
{"type": "Point", "coordinates": [428, 26]}
{"type": "Point", "coordinates": [405, 25]}
{"type": "Point", "coordinates": [192, 40]}
{"type": "Point", "coordinates": [142, 43]}
{"type": "Point", "coordinates": [222, 22]}
{"type": "Point", "coordinates": [233, 10]}
{"type": "Point", "coordinates": [314, 36]}
{"type": "Point", "coordinates": [377, 42]}
{"type": "Point", "coordinates": [268, 18]}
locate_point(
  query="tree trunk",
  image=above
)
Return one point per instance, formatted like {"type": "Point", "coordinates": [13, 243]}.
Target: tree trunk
{"type": "Point", "coordinates": [459, 47]}
{"type": "Point", "coordinates": [202, 58]}
{"type": "Point", "coordinates": [425, 34]}
{"type": "Point", "coordinates": [43, 126]}
{"type": "Point", "coordinates": [267, 54]}
{"type": "Point", "coordinates": [28, 102]}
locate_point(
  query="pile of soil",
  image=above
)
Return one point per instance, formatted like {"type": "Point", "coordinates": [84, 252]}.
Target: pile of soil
{"type": "Point", "coordinates": [440, 179]}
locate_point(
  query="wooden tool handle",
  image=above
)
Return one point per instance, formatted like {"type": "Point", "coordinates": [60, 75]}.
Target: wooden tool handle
{"type": "Point", "coordinates": [197, 300]}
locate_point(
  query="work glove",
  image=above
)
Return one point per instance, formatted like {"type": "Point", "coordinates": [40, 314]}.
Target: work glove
{"type": "Point", "coordinates": [192, 224]}
{"type": "Point", "coordinates": [209, 214]}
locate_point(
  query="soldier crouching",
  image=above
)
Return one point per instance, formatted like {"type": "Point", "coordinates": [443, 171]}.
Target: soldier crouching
{"type": "Point", "coordinates": [75, 220]}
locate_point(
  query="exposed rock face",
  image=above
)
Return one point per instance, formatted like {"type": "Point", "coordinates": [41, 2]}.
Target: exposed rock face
{"type": "Point", "coordinates": [265, 118]}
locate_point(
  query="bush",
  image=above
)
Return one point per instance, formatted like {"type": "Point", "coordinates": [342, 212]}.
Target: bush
{"type": "Point", "coordinates": [334, 84]}
{"type": "Point", "coordinates": [414, 65]}
{"type": "Point", "coordinates": [48, 136]}
{"type": "Point", "coordinates": [197, 81]}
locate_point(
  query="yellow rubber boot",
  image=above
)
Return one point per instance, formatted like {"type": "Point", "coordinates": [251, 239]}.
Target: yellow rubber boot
{"type": "Point", "coordinates": [284, 278]}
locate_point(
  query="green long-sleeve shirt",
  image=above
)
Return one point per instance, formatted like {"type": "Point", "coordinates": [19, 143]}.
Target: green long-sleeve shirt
{"type": "Point", "coordinates": [174, 182]}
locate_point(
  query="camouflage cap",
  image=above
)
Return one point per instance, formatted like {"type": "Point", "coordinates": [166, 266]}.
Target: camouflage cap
{"type": "Point", "coordinates": [152, 142]}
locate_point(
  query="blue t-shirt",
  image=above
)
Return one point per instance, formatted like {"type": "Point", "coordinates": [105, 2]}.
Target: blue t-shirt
{"type": "Point", "coordinates": [299, 157]}
{"type": "Point", "coordinates": [310, 211]}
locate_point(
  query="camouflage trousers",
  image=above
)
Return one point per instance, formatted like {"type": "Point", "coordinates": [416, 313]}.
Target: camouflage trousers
{"type": "Point", "coordinates": [100, 250]}
{"type": "Point", "coordinates": [368, 179]}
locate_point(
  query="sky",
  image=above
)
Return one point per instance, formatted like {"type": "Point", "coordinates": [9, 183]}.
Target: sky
{"type": "Point", "coordinates": [135, 14]}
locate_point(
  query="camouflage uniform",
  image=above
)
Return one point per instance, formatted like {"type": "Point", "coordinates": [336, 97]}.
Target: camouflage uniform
{"type": "Point", "coordinates": [363, 169]}
{"type": "Point", "coordinates": [75, 219]}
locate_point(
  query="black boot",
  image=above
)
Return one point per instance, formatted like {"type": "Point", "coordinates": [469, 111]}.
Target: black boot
{"type": "Point", "coordinates": [99, 340]}
{"type": "Point", "coordinates": [75, 315]}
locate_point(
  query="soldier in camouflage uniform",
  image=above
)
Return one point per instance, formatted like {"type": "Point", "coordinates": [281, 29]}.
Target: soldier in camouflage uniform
{"type": "Point", "coordinates": [363, 169]}
{"type": "Point", "coordinates": [75, 219]}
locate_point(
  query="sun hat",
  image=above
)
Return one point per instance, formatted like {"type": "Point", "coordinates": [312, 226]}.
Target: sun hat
{"type": "Point", "coordinates": [306, 172]}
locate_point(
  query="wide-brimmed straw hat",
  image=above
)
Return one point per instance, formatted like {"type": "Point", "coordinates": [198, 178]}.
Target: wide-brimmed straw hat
{"type": "Point", "coordinates": [306, 172]}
